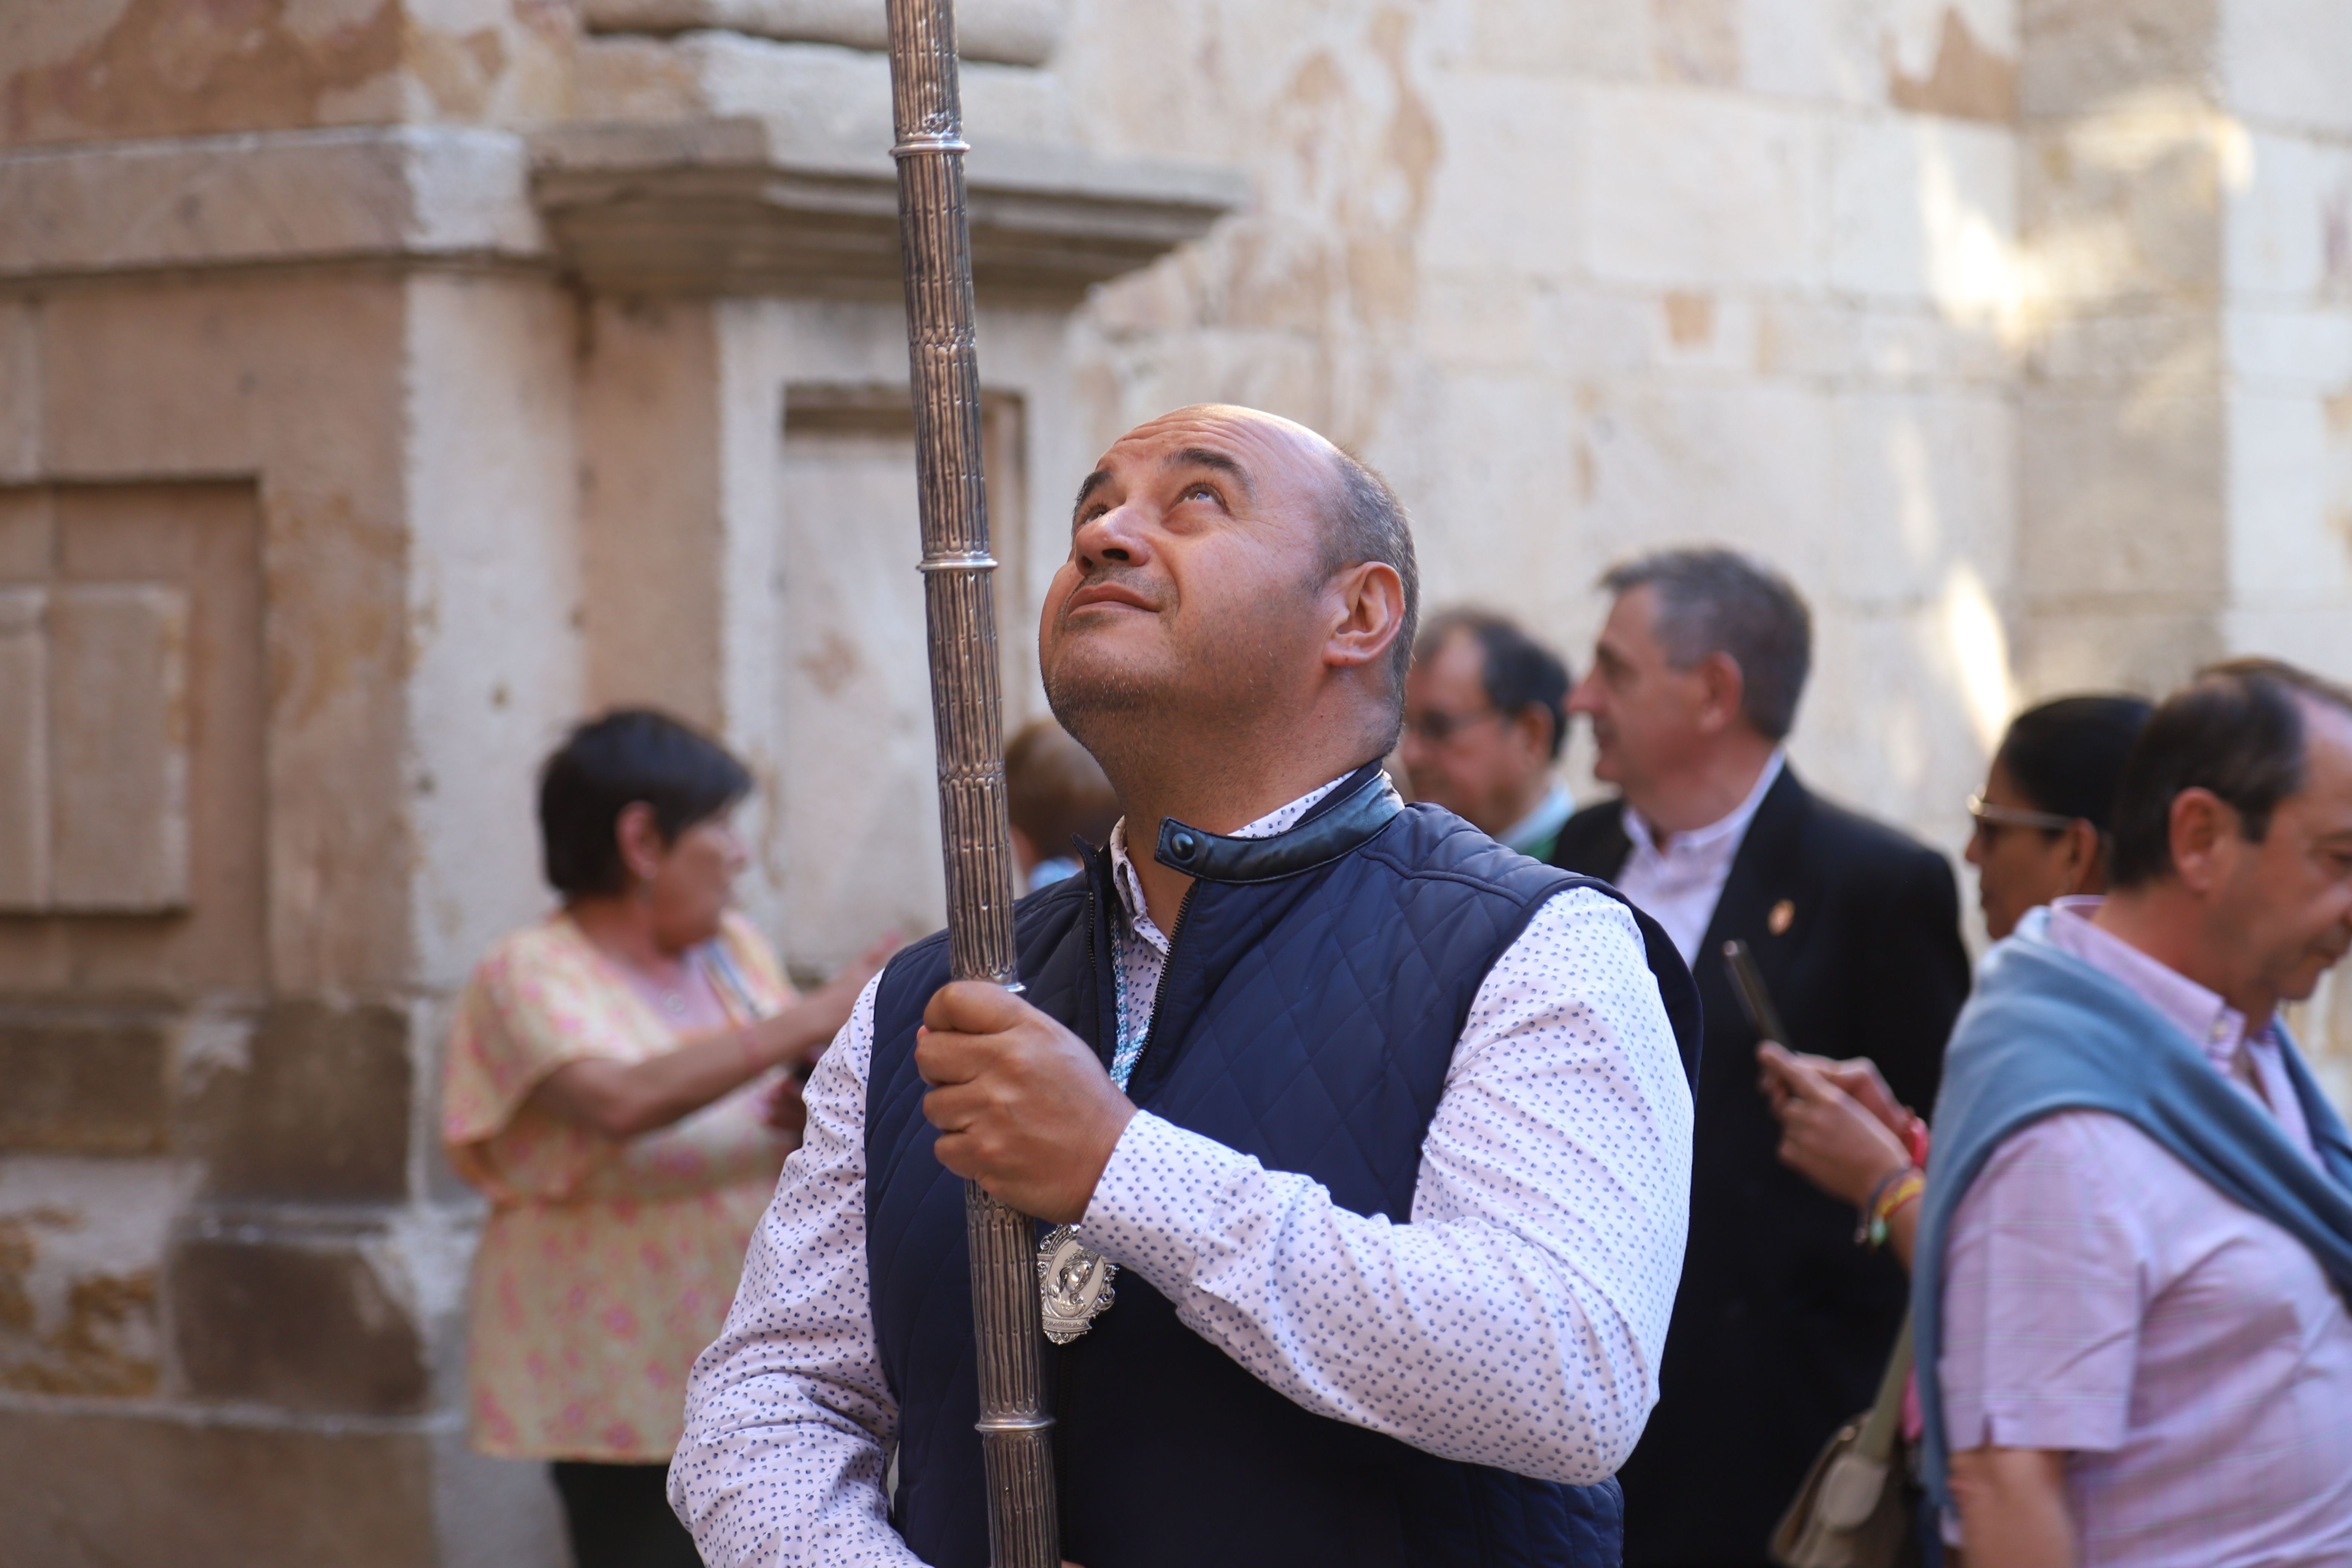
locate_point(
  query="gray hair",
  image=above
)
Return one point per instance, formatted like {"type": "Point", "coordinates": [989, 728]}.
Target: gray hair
{"type": "Point", "coordinates": [1369, 523]}
{"type": "Point", "coordinates": [1712, 600]}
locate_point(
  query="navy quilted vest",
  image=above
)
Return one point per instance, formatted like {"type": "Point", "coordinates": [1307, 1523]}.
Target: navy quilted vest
{"type": "Point", "coordinates": [1308, 1022]}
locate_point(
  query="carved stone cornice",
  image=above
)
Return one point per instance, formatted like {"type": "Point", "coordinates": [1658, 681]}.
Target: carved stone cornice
{"type": "Point", "coordinates": [704, 206]}
{"type": "Point", "coordinates": [723, 206]}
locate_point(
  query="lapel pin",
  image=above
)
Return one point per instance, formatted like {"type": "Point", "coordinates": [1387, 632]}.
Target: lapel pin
{"type": "Point", "coordinates": [1783, 915]}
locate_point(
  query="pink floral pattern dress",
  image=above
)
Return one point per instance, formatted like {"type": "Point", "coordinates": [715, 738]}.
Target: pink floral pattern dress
{"type": "Point", "coordinates": [607, 1264]}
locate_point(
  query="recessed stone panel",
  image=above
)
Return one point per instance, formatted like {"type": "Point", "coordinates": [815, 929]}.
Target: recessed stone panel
{"type": "Point", "coordinates": [304, 1323]}
{"type": "Point", "coordinates": [118, 738]}
{"type": "Point", "coordinates": [84, 1081]}
{"type": "Point", "coordinates": [131, 744]}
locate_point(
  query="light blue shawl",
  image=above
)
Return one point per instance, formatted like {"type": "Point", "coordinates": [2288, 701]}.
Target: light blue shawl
{"type": "Point", "coordinates": [2045, 1032]}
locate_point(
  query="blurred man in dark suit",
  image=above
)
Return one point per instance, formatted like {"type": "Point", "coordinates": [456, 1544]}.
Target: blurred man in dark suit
{"type": "Point", "coordinates": [1783, 1324]}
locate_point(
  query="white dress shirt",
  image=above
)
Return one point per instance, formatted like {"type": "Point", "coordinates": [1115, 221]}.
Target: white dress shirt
{"type": "Point", "coordinates": [1679, 885]}
{"type": "Point", "coordinates": [1517, 1320]}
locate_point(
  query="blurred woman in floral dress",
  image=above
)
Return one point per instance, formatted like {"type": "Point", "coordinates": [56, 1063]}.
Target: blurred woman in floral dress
{"type": "Point", "coordinates": [620, 1084]}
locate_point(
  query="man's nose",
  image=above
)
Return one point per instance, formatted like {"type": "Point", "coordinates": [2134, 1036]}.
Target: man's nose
{"type": "Point", "coordinates": [1115, 535]}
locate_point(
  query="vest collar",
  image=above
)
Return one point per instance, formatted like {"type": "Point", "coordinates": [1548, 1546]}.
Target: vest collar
{"type": "Point", "coordinates": [1344, 820]}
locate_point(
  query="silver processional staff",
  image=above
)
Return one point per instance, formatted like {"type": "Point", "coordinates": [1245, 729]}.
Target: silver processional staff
{"type": "Point", "coordinates": [935, 244]}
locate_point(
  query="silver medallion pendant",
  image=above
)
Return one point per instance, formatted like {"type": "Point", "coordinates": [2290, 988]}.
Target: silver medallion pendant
{"type": "Point", "coordinates": [1073, 1284]}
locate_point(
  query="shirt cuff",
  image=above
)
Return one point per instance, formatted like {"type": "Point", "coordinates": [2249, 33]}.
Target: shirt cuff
{"type": "Point", "coordinates": [1158, 1198]}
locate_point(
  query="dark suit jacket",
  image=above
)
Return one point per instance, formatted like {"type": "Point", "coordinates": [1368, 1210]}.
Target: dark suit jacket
{"type": "Point", "coordinates": [1783, 1325]}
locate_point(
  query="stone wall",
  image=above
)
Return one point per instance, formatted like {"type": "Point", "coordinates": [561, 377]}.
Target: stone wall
{"type": "Point", "coordinates": [385, 383]}
{"type": "Point", "coordinates": [2019, 331]}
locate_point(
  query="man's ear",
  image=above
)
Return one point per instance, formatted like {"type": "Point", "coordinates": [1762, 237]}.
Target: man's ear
{"type": "Point", "coordinates": [2205, 830]}
{"type": "Point", "coordinates": [1531, 726]}
{"type": "Point", "coordinates": [1368, 601]}
{"type": "Point", "coordinates": [1722, 689]}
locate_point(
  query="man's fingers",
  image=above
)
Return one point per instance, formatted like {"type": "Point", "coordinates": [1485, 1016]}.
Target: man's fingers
{"type": "Point", "coordinates": [974, 1007]}
{"type": "Point", "coordinates": [944, 1058]}
{"type": "Point", "coordinates": [958, 1107]}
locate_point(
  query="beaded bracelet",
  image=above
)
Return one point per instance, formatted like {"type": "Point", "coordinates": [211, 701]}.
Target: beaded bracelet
{"type": "Point", "coordinates": [1893, 1190]}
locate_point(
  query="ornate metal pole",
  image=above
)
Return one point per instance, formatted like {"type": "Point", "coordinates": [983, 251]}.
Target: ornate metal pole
{"type": "Point", "coordinates": [935, 242]}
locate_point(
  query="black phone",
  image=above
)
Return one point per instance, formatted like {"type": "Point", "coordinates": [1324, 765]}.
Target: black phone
{"type": "Point", "coordinates": [1754, 1000]}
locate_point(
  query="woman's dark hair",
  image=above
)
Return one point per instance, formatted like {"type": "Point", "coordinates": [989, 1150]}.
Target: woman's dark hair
{"type": "Point", "coordinates": [628, 755]}
{"type": "Point", "coordinates": [2065, 757]}
{"type": "Point", "coordinates": [2236, 730]}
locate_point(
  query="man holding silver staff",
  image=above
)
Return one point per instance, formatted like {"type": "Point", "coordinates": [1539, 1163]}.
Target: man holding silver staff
{"type": "Point", "coordinates": [1365, 1142]}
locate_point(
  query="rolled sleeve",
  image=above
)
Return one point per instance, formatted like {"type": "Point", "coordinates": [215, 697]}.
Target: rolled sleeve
{"type": "Point", "coordinates": [2042, 1296]}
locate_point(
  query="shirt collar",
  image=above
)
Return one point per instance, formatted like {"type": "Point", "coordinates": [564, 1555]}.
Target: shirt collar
{"type": "Point", "coordinates": [1130, 889]}
{"type": "Point", "coordinates": [1731, 827]}
{"type": "Point", "coordinates": [2218, 1028]}
{"type": "Point", "coordinates": [1544, 822]}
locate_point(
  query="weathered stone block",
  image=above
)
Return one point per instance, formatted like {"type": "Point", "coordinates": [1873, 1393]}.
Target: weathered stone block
{"type": "Point", "coordinates": [2311, 635]}
{"type": "Point", "coordinates": [24, 747]}
{"type": "Point", "coordinates": [319, 1111]}
{"type": "Point", "coordinates": [95, 1491]}
{"type": "Point", "coordinates": [294, 195]}
{"type": "Point", "coordinates": [2127, 352]}
{"type": "Point", "coordinates": [2291, 533]}
{"type": "Point", "coordinates": [2121, 500]}
{"type": "Point", "coordinates": [1695, 41]}
{"type": "Point", "coordinates": [1490, 212]}
{"type": "Point", "coordinates": [303, 1323]}
{"type": "Point", "coordinates": [84, 1081]}
{"type": "Point", "coordinates": [2124, 203]}
{"type": "Point", "coordinates": [2094, 646]}
{"type": "Point", "coordinates": [1964, 68]}
{"type": "Point", "coordinates": [1925, 209]}
{"type": "Point", "coordinates": [1687, 187]}
{"type": "Point", "coordinates": [2290, 350]}
{"type": "Point", "coordinates": [2287, 219]}
{"type": "Point", "coordinates": [81, 1245]}
{"type": "Point", "coordinates": [2077, 53]}
{"type": "Point", "coordinates": [1748, 463]}
{"type": "Point", "coordinates": [1607, 39]}
{"type": "Point", "coordinates": [1925, 482]}
{"type": "Point", "coordinates": [2288, 61]}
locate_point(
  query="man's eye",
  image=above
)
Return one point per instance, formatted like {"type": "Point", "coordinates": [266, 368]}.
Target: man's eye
{"type": "Point", "coordinates": [1204, 492]}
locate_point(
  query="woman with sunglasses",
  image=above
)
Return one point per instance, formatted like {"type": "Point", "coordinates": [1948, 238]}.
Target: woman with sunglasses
{"type": "Point", "coordinates": [2042, 825]}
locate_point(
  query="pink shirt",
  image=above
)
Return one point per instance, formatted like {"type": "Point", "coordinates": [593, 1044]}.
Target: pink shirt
{"type": "Point", "coordinates": [2188, 1355]}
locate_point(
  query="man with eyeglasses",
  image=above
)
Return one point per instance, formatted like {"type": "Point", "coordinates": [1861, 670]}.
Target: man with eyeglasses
{"type": "Point", "coordinates": [1783, 1324]}
{"type": "Point", "coordinates": [1483, 726]}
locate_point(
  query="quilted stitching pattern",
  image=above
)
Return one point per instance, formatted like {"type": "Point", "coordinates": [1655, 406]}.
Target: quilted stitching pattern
{"type": "Point", "coordinates": [1310, 1023]}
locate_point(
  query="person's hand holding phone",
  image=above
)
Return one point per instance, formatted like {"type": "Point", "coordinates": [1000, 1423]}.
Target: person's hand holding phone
{"type": "Point", "coordinates": [1833, 1138]}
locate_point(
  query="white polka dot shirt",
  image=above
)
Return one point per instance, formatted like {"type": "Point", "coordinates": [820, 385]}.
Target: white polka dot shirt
{"type": "Point", "coordinates": [1517, 1321]}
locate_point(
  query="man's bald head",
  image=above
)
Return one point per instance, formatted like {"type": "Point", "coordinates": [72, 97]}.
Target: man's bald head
{"type": "Point", "coordinates": [1364, 519]}
{"type": "Point", "coordinates": [1221, 557]}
